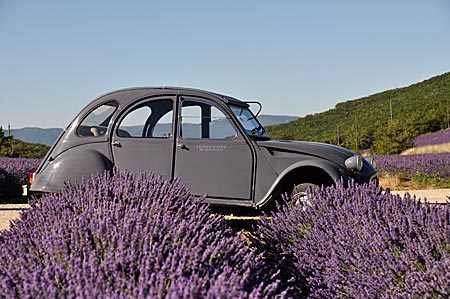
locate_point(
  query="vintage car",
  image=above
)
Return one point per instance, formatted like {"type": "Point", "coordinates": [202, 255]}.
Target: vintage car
{"type": "Point", "coordinates": [213, 143]}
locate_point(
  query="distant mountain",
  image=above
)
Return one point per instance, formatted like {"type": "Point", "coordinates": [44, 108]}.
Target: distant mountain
{"type": "Point", "coordinates": [270, 120]}
{"type": "Point", "coordinates": [49, 136]}
{"type": "Point", "coordinates": [37, 135]}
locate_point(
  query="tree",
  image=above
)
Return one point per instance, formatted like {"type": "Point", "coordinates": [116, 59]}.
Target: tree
{"type": "Point", "coordinates": [5, 142]}
{"type": "Point", "coordinates": [10, 147]}
{"type": "Point", "coordinates": [393, 138]}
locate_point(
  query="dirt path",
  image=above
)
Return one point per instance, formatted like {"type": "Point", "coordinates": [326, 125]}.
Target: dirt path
{"type": "Point", "coordinates": [12, 211]}
{"type": "Point", "coordinates": [9, 212]}
{"type": "Point", "coordinates": [432, 195]}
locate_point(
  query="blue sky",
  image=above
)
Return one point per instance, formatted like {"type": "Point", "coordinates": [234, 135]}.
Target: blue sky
{"type": "Point", "coordinates": [296, 57]}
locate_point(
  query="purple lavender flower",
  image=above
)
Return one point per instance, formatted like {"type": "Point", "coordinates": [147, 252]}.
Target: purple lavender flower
{"type": "Point", "coordinates": [354, 242]}
{"type": "Point", "coordinates": [120, 236]}
{"type": "Point", "coordinates": [439, 137]}
{"type": "Point", "coordinates": [15, 172]}
{"type": "Point", "coordinates": [429, 164]}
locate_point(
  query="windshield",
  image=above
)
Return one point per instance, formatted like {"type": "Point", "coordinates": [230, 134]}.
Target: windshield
{"type": "Point", "coordinates": [249, 121]}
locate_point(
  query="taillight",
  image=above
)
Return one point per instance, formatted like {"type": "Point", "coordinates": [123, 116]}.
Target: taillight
{"type": "Point", "coordinates": [31, 177]}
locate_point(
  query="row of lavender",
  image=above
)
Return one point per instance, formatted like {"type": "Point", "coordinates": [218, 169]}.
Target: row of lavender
{"type": "Point", "coordinates": [439, 137]}
{"type": "Point", "coordinates": [15, 172]}
{"type": "Point", "coordinates": [125, 237]}
{"type": "Point", "coordinates": [121, 237]}
{"type": "Point", "coordinates": [356, 242]}
{"type": "Point", "coordinates": [411, 165]}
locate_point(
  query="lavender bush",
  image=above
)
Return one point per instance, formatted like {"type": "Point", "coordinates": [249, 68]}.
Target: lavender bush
{"type": "Point", "coordinates": [435, 138]}
{"type": "Point", "coordinates": [122, 236]}
{"type": "Point", "coordinates": [410, 165]}
{"type": "Point", "coordinates": [15, 172]}
{"type": "Point", "coordinates": [357, 243]}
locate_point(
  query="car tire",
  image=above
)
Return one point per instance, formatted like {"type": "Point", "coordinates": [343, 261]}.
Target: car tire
{"type": "Point", "coordinates": [300, 196]}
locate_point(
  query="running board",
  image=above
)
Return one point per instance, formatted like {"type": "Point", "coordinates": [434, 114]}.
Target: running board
{"type": "Point", "coordinates": [229, 202]}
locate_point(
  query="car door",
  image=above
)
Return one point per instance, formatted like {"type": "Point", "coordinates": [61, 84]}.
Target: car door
{"type": "Point", "coordinates": [212, 157]}
{"type": "Point", "coordinates": [143, 137]}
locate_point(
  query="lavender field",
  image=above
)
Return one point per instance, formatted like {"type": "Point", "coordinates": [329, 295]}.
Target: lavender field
{"type": "Point", "coordinates": [125, 237]}
{"type": "Point", "coordinates": [15, 172]}
{"type": "Point", "coordinates": [356, 242]}
{"type": "Point", "coordinates": [431, 168]}
{"type": "Point", "coordinates": [438, 137]}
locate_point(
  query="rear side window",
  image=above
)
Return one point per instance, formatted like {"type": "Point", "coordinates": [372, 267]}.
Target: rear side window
{"type": "Point", "coordinates": [95, 124]}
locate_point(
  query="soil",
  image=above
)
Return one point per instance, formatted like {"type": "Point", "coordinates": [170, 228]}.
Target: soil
{"type": "Point", "coordinates": [9, 212]}
{"type": "Point", "coordinates": [439, 196]}
{"type": "Point", "coordinates": [401, 183]}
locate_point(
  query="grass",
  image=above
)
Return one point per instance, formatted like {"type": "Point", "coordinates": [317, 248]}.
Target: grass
{"type": "Point", "coordinates": [428, 149]}
{"type": "Point", "coordinates": [420, 181]}
{"type": "Point", "coordinates": [431, 180]}
{"type": "Point", "coordinates": [402, 182]}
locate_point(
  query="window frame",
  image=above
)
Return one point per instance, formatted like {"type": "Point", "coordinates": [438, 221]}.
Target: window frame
{"type": "Point", "coordinates": [211, 104]}
{"type": "Point", "coordinates": [142, 103]}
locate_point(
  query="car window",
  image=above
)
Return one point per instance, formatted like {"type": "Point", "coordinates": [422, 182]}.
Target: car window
{"type": "Point", "coordinates": [96, 122]}
{"type": "Point", "coordinates": [201, 120]}
{"type": "Point", "coordinates": [151, 119]}
{"type": "Point", "coordinates": [251, 125]}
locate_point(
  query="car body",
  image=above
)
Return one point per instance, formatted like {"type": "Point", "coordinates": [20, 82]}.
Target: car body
{"type": "Point", "coordinates": [211, 142]}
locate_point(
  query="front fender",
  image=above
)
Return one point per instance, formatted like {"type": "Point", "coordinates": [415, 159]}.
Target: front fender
{"type": "Point", "coordinates": [70, 166]}
{"type": "Point", "coordinates": [332, 169]}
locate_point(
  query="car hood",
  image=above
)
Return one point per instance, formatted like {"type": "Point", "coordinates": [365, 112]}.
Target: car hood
{"type": "Point", "coordinates": [329, 152]}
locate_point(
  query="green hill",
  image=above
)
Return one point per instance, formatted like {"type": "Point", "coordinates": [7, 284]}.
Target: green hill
{"type": "Point", "coordinates": [11, 147]}
{"type": "Point", "coordinates": [420, 108]}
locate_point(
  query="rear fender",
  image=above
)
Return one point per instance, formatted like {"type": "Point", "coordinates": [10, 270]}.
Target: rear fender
{"type": "Point", "coordinates": [70, 166]}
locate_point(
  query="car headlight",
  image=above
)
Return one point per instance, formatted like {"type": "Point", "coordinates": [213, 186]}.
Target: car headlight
{"type": "Point", "coordinates": [354, 163]}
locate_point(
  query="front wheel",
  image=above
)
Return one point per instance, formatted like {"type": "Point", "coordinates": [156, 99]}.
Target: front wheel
{"type": "Point", "coordinates": [299, 194]}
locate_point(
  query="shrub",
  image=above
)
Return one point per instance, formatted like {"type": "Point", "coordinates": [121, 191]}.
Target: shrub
{"type": "Point", "coordinates": [15, 172]}
{"type": "Point", "coordinates": [123, 236]}
{"type": "Point", "coordinates": [357, 243]}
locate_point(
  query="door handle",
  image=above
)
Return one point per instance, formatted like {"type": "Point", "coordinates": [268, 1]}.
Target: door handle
{"type": "Point", "coordinates": [116, 143]}
{"type": "Point", "coordinates": [182, 146]}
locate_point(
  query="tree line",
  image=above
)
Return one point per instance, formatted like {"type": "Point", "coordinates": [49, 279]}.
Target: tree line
{"type": "Point", "coordinates": [15, 148]}
{"type": "Point", "coordinates": [385, 123]}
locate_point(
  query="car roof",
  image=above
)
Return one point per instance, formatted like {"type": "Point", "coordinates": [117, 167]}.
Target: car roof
{"type": "Point", "coordinates": [176, 90]}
